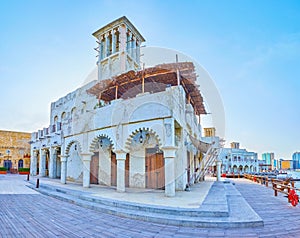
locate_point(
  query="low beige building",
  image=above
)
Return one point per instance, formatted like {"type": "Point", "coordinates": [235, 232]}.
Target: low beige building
{"type": "Point", "coordinates": [14, 150]}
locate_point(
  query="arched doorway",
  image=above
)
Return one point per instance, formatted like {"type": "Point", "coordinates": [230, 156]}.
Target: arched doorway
{"type": "Point", "coordinates": [146, 159]}
{"type": "Point", "coordinates": [103, 167]}
{"type": "Point", "coordinates": [235, 169]}
{"type": "Point", "coordinates": [74, 162]}
{"type": "Point", "coordinates": [7, 164]}
{"type": "Point", "coordinates": [240, 169]}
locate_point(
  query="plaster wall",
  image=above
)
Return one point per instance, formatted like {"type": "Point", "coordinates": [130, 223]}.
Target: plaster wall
{"type": "Point", "coordinates": [74, 165]}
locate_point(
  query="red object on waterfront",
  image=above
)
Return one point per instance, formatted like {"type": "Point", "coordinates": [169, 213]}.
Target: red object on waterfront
{"type": "Point", "coordinates": [293, 197]}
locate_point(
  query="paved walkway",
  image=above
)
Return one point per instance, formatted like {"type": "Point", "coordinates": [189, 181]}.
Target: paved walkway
{"type": "Point", "coordinates": [30, 214]}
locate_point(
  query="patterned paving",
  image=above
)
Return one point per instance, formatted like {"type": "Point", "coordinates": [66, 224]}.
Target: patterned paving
{"type": "Point", "coordinates": [36, 215]}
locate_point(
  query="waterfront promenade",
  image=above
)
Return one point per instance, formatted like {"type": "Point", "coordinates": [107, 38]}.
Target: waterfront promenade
{"type": "Point", "coordinates": [26, 213]}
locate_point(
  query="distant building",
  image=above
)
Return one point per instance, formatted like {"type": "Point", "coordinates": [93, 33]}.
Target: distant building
{"type": "Point", "coordinates": [210, 132]}
{"type": "Point", "coordinates": [236, 160]}
{"type": "Point", "coordinates": [263, 166]}
{"type": "Point", "coordinates": [296, 160]}
{"type": "Point", "coordinates": [14, 150]}
{"type": "Point", "coordinates": [276, 164]}
{"type": "Point", "coordinates": [234, 145]}
{"type": "Point", "coordinates": [269, 160]}
{"type": "Point", "coordinates": [285, 164]}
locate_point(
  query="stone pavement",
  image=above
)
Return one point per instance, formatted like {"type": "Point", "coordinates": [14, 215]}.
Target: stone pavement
{"type": "Point", "coordinates": [223, 205]}
{"type": "Point", "coordinates": [30, 214]}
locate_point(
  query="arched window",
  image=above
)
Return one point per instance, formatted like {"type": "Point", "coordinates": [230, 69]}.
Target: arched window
{"type": "Point", "coordinates": [55, 119]}
{"type": "Point", "coordinates": [20, 163]}
{"type": "Point", "coordinates": [63, 116]}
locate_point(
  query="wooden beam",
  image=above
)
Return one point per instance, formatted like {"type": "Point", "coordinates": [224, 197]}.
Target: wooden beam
{"type": "Point", "coordinates": [116, 93]}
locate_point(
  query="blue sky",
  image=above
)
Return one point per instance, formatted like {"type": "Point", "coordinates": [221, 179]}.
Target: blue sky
{"type": "Point", "coordinates": [250, 48]}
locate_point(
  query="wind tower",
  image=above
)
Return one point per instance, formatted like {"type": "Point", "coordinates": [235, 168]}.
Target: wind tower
{"type": "Point", "coordinates": [119, 45]}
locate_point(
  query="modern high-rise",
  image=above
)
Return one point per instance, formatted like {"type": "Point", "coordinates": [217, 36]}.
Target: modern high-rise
{"type": "Point", "coordinates": [269, 159]}
{"type": "Point", "coordinates": [296, 160]}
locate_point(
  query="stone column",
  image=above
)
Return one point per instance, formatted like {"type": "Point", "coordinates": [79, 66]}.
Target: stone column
{"type": "Point", "coordinates": [33, 161]}
{"type": "Point", "coordinates": [86, 158]}
{"type": "Point", "coordinates": [63, 174]}
{"type": "Point", "coordinates": [113, 43]}
{"type": "Point", "coordinates": [169, 156]}
{"type": "Point", "coordinates": [42, 167]}
{"type": "Point", "coordinates": [121, 157]}
{"type": "Point", "coordinates": [219, 162]}
{"type": "Point", "coordinates": [52, 163]}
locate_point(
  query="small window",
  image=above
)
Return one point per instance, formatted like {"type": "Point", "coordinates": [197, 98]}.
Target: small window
{"type": "Point", "coordinates": [63, 116]}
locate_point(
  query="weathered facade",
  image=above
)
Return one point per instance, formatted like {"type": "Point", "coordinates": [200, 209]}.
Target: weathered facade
{"type": "Point", "coordinates": [14, 150]}
{"type": "Point", "coordinates": [132, 127]}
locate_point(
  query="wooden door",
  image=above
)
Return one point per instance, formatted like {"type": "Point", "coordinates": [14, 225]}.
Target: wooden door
{"type": "Point", "coordinates": [155, 171]}
{"type": "Point", "coordinates": [113, 169]}
{"type": "Point", "coordinates": [127, 171]}
{"type": "Point", "coordinates": [94, 169]}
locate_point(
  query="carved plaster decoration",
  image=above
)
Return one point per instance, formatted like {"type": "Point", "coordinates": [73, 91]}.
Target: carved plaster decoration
{"type": "Point", "coordinates": [168, 129]}
{"type": "Point", "coordinates": [138, 180]}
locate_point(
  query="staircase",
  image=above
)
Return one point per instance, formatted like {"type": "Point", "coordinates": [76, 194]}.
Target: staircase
{"type": "Point", "coordinates": [210, 157]}
{"type": "Point", "coordinates": [223, 207]}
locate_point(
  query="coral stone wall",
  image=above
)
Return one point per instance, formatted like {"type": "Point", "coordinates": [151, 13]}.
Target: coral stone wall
{"type": "Point", "coordinates": [14, 146]}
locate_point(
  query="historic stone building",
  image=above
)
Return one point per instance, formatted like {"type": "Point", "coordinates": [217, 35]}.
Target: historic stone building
{"type": "Point", "coordinates": [14, 150]}
{"type": "Point", "coordinates": [133, 127]}
{"type": "Point", "coordinates": [236, 160]}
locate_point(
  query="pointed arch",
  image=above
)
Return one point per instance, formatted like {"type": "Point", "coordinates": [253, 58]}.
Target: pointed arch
{"type": "Point", "coordinates": [96, 140]}
{"type": "Point", "coordinates": [145, 129]}
{"type": "Point", "coordinates": [69, 146]}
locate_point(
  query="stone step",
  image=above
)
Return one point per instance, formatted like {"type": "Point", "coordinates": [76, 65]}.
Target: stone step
{"type": "Point", "coordinates": [218, 209]}
{"type": "Point", "coordinates": [210, 214]}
